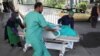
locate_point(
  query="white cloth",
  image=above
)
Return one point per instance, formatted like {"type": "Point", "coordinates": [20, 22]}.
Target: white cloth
{"type": "Point", "coordinates": [99, 18]}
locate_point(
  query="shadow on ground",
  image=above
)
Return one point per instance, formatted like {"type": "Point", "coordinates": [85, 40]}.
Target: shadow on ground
{"type": "Point", "coordinates": [91, 40]}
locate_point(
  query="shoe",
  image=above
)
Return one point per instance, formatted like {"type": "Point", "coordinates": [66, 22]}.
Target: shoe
{"type": "Point", "coordinates": [93, 26]}
{"type": "Point", "coordinates": [19, 44]}
{"type": "Point", "coordinates": [12, 45]}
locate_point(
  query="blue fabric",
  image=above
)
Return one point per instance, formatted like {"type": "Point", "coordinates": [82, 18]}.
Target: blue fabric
{"type": "Point", "coordinates": [67, 31]}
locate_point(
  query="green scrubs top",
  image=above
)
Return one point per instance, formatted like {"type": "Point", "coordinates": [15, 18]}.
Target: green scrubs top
{"type": "Point", "coordinates": [35, 23]}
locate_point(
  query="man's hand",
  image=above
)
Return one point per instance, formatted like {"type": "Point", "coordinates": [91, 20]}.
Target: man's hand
{"type": "Point", "coordinates": [49, 29]}
{"type": "Point", "coordinates": [54, 30]}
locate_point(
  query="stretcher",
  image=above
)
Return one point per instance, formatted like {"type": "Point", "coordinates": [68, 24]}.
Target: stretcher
{"type": "Point", "coordinates": [56, 43]}
{"type": "Point", "coordinates": [61, 43]}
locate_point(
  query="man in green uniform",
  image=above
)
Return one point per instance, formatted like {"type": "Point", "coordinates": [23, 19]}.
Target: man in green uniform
{"type": "Point", "coordinates": [35, 23]}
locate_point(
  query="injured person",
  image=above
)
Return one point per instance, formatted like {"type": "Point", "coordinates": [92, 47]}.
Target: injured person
{"type": "Point", "coordinates": [67, 25]}
{"type": "Point", "coordinates": [65, 34]}
{"type": "Point", "coordinates": [65, 28]}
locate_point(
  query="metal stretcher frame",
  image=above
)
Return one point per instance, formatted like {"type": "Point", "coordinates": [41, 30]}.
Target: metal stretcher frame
{"type": "Point", "coordinates": [61, 44]}
{"type": "Point", "coordinates": [58, 43]}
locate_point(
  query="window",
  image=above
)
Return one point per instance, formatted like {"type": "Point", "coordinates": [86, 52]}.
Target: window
{"type": "Point", "coordinates": [54, 3]}
{"type": "Point", "coordinates": [49, 3]}
{"type": "Point", "coordinates": [27, 1]}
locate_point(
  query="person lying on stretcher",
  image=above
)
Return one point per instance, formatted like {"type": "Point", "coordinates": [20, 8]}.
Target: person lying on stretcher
{"type": "Point", "coordinates": [67, 25]}
{"type": "Point", "coordinates": [65, 29]}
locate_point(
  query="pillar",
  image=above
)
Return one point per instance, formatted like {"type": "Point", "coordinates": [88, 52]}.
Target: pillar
{"type": "Point", "coordinates": [71, 3]}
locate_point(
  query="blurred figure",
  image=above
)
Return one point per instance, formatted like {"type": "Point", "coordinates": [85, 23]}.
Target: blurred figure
{"type": "Point", "coordinates": [67, 20]}
{"type": "Point", "coordinates": [8, 5]}
{"type": "Point", "coordinates": [35, 23]}
{"type": "Point", "coordinates": [11, 5]}
{"type": "Point", "coordinates": [5, 5]}
{"type": "Point", "coordinates": [67, 25]}
{"type": "Point", "coordinates": [11, 31]}
{"type": "Point", "coordinates": [94, 16]}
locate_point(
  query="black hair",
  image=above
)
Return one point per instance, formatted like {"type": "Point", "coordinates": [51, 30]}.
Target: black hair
{"type": "Point", "coordinates": [14, 14]}
{"type": "Point", "coordinates": [38, 4]}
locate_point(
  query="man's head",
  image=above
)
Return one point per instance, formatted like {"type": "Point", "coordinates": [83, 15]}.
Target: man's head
{"type": "Point", "coordinates": [71, 13]}
{"type": "Point", "coordinates": [15, 15]}
{"type": "Point", "coordinates": [38, 7]}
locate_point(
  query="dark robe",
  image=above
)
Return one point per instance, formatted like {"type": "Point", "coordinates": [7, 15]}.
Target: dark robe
{"type": "Point", "coordinates": [66, 20]}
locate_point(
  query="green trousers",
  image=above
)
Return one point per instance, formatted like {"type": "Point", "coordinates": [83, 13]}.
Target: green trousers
{"type": "Point", "coordinates": [13, 38]}
{"type": "Point", "coordinates": [39, 48]}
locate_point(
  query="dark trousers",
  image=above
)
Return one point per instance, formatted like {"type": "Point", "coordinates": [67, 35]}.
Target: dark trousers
{"type": "Point", "coordinates": [5, 33]}
{"type": "Point", "coordinates": [94, 21]}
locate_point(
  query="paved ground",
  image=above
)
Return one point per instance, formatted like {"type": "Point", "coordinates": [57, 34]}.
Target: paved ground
{"type": "Point", "coordinates": [89, 44]}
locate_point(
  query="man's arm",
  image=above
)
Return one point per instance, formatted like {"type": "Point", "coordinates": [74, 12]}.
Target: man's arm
{"type": "Point", "coordinates": [21, 24]}
{"type": "Point", "coordinates": [43, 23]}
{"type": "Point", "coordinates": [49, 29]}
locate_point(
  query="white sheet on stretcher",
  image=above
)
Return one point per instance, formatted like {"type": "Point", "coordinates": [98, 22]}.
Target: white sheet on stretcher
{"type": "Point", "coordinates": [65, 39]}
{"type": "Point", "coordinates": [50, 35]}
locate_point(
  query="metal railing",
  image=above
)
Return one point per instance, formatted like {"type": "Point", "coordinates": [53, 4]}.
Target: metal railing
{"type": "Point", "coordinates": [51, 14]}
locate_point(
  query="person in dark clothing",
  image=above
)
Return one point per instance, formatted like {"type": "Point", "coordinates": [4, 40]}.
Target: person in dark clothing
{"type": "Point", "coordinates": [67, 25]}
{"type": "Point", "coordinates": [8, 6]}
{"type": "Point", "coordinates": [67, 20]}
{"type": "Point", "coordinates": [94, 16]}
{"type": "Point", "coordinates": [11, 31]}
{"type": "Point", "coordinates": [5, 5]}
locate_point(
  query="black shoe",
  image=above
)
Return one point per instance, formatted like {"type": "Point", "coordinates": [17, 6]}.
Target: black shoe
{"type": "Point", "coordinates": [19, 44]}
{"type": "Point", "coordinates": [93, 26]}
{"type": "Point", "coordinates": [12, 45]}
